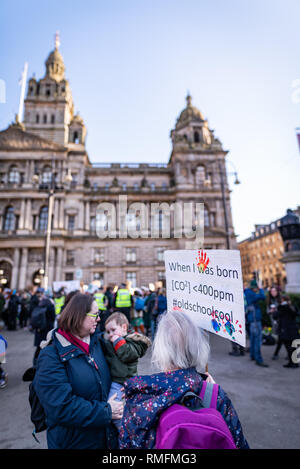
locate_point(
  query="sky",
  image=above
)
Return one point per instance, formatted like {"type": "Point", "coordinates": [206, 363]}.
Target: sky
{"type": "Point", "coordinates": [130, 64]}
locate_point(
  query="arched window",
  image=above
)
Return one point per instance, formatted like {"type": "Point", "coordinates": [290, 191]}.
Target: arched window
{"type": "Point", "coordinates": [46, 175]}
{"type": "Point", "coordinates": [152, 185]}
{"type": "Point", "coordinates": [37, 118]}
{"type": "Point", "coordinates": [45, 119]}
{"type": "Point", "coordinates": [136, 186]}
{"type": "Point", "coordinates": [14, 175]}
{"type": "Point", "coordinates": [43, 219]}
{"type": "Point", "coordinates": [9, 220]}
{"type": "Point", "coordinates": [75, 137]}
{"type": "Point", "coordinates": [52, 119]}
{"type": "Point", "coordinates": [196, 137]}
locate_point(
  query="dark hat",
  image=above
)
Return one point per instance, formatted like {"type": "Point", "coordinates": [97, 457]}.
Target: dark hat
{"type": "Point", "coordinates": [253, 284]}
{"type": "Point", "coordinates": [40, 290]}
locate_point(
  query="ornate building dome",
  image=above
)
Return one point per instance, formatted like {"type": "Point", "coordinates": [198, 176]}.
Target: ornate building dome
{"type": "Point", "coordinates": [55, 67]}
{"type": "Point", "coordinates": [190, 113]}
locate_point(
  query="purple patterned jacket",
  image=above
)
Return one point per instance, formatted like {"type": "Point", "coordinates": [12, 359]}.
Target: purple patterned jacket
{"type": "Point", "coordinates": [148, 396]}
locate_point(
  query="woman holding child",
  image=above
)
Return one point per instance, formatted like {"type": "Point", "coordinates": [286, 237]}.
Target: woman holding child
{"type": "Point", "coordinates": [73, 381]}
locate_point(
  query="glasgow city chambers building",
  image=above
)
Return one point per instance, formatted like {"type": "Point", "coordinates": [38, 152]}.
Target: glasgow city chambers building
{"type": "Point", "coordinates": [47, 152]}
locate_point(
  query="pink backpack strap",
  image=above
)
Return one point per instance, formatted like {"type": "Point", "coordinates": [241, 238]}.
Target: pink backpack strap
{"type": "Point", "coordinates": [209, 394]}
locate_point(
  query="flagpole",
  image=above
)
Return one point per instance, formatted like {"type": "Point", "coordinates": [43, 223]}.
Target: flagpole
{"type": "Point", "coordinates": [23, 85]}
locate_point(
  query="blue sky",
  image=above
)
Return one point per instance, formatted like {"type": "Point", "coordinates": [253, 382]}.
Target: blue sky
{"type": "Point", "coordinates": [131, 62]}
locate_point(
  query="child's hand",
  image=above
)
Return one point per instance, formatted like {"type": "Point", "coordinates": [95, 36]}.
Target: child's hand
{"type": "Point", "coordinates": [114, 337]}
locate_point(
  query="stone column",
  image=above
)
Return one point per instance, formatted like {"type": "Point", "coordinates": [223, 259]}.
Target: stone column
{"type": "Point", "coordinates": [56, 214]}
{"type": "Point", "coordinates": [59, 264]}
{"type": "Point", "coordinates": [23, 268]}
{"type": "Point", "coordinates": [22, 215]}
{"type": "Point", "coordinates": [15, 269]}
{"type": "Point", "coordinates": [81, 216]}
{"type": "Point", "coordinates": [28, 216]}
{"type": "Point", "coordinates": [87, 216]}
{"type": "Point", "coordinates": [61, 221]}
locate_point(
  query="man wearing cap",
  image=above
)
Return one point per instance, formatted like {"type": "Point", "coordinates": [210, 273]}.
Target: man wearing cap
{"type": "Point", "coordinates": [253, 295]}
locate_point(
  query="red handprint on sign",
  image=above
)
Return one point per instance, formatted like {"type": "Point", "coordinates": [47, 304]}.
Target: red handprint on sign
{"type": "Point", "coordinates": [202, 261]}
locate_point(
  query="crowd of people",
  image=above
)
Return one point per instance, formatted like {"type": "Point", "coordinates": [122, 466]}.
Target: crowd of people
{"type": "Point", "coordinates": [84, 369]}
{"type": "Point", "coordinates": [282, 316]}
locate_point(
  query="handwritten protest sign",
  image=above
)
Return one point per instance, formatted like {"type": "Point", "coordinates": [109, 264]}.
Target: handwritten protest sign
{"type": "Point", "coordinates": [208, 286]}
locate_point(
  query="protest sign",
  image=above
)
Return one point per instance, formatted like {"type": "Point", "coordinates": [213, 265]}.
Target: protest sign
{"type": "Point", "coordinates": [208, 286]}
{"type": "Point", "coordinates": [68, 285]}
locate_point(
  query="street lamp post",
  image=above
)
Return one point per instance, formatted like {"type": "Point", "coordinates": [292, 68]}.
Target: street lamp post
{"type": "Point", "coordinates": [220, 171]}
{"type": "Point", "coordinates": [68, 178]}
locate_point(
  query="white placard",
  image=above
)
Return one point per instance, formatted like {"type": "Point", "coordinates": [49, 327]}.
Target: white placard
{"type": "Point", "coordinates": [68, 285]}
{"type": "Point", "coordinates": [208, 286]}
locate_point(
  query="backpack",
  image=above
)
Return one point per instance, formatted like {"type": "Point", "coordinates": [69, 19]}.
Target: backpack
{"type": "Point", "coordinates": [38, 318]}
{"type": "Point", "coordinates": [202, 427]}
{"type": "Point", "coordinates": [139, 304]}
{"type": "Point", "coordinates": [37, 415]}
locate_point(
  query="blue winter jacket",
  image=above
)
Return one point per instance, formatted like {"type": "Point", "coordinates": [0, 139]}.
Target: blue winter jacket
{"type": "Point", "coordinates": [73, 390]}
{"type": "Point", "coordinates": [161, 304]}
{"type": "Point", "coordinates": [252, 299]}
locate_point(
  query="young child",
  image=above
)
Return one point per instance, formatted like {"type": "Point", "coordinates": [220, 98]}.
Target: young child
{"type": "Point", "coordinates": [122, 348]}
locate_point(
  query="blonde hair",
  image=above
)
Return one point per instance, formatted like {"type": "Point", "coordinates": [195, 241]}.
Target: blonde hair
{"type": "Point", "coordinates": [120, 319]}
{"type": "Point", "coordinates": [180, 343]}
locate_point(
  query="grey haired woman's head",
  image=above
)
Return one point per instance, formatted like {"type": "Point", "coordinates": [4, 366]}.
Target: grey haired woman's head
{"type": "Point", "coordinates": [180, 343]}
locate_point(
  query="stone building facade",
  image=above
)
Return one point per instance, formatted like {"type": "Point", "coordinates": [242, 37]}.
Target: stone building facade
{"type": "Point", "coordinates": [49, 147]}
{"type": "Point", "coordinates": [261, 255]}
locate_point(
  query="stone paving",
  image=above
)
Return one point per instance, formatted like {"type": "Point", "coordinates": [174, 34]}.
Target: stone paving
{"type": "Point", "coordinates": [267, 399]}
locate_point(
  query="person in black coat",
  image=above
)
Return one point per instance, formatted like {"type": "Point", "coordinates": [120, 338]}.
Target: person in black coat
{"type": "Point", "coordinates": [41, 334]}
{"type": "Point", "coordinates": [287, 328]}
{"type": "Point", "coordinates": [12, 311]}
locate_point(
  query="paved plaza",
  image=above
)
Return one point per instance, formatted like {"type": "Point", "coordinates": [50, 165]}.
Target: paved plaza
{"type": "Point", "coordinates": [266, 399]}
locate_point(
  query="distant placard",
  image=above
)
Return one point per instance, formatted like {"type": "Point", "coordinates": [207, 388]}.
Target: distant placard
{"type": "Point", "coordinates": [68, 285]}
{"type": "Point", "coordinates": [208, 286]}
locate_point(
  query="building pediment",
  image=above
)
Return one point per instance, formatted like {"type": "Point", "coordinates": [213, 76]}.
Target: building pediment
{"type": "Point", "coordinates": [17, 139]}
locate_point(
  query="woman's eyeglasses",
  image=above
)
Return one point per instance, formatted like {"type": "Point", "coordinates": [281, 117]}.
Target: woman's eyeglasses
{"type": "Point", "coordinates": [92, 315]}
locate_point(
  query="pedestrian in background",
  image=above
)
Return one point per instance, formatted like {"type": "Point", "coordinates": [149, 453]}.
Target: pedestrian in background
{"type": "Point", "coordinates": [123, 301]}
{"type": "Point", "coordinates": [287, 328]}
{"type": "Point", "coordinates": [138, 312]}
{"type": "Point", "coordinates": [273, 301]}
{"type": "Point", "coordinates": [40, 334]}
{"type": "Point", "coordinates": [160, 307]}
{"type": "Point", "coordinates": [253, 295]}
{"type": "Point", "coordinates": [24, 313]}
{"type": "Point", "coordinates": [12, 311]}
{"type": "Point", "coordinates": [3, 375]}
{"type": "Point", "coordinates": [110, 298]}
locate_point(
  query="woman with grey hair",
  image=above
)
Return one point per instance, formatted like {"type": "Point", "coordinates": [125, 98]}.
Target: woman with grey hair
{"type": "Point", "coordinates": [180, 351]}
